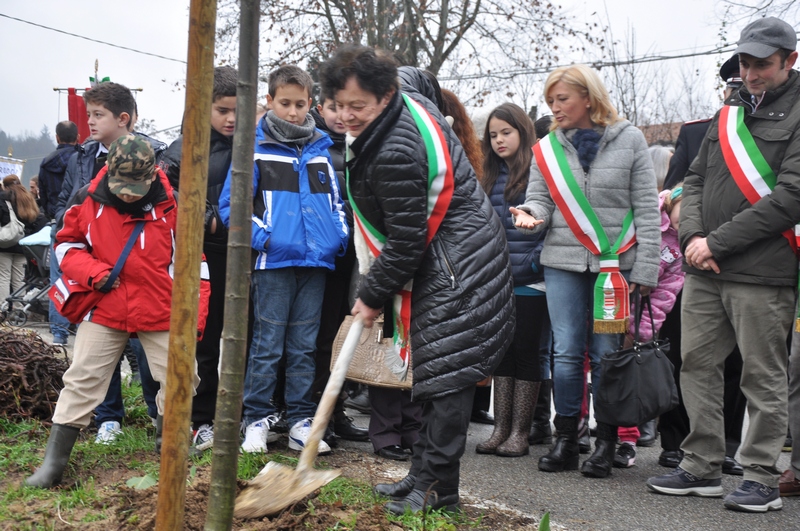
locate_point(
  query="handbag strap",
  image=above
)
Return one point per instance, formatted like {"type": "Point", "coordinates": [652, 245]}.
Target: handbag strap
{"type": "Point", "coordinates": [638, 299]}
{"type": "Point", "coordinates": [122, 257]}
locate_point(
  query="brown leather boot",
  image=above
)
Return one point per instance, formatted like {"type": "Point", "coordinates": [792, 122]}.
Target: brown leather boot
{"type": "Point", "coordinates": [525, 396]}
{"type": "Point", "coordinates": [503, 403]}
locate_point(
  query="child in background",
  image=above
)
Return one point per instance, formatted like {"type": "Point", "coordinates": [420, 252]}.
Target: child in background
{"type": "Point", "coordinates": [507, 144]}
{"type": "Point", "coordinates": [662, 300]}
{"type": "Point", "coordinates": [299, 227]}
{"type": "Point", "coordinates": [215, 247]}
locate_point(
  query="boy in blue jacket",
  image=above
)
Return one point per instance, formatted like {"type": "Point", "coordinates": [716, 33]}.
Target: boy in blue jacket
{"type": "Point", "coordinates": [299, 227]}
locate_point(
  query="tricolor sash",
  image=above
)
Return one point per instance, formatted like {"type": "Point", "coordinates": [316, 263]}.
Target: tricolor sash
{"type": "Point", "coordinates": [611, 298]}
{"type": "Point", "coordinates": [750, 170]}
{"type": "Point", "coordinates": [441, 183]}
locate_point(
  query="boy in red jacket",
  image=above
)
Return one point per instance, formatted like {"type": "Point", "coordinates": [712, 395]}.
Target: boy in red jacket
{"type": "Point", "coordinates": [98, 223]}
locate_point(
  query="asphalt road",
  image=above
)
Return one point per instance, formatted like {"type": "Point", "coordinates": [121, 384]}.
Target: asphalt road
{"type": "Point", "coordinates": [621, 502]}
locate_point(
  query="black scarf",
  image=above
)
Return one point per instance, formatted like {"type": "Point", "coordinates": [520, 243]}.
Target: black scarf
{"type": "Point", "coordinates": [138, 208]}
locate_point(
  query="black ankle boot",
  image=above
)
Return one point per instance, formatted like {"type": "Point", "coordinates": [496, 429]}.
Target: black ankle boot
{"type": "Point", "coordinates": [601, 462]}
{"type": "Point", "coordinates": [541, 432]}
{"type": "Point", "coordinates": [565, 454]}
{"type": "Point", "coordinates": [56, 457]}
{"type": "Point", "coordinates": [397, 491]}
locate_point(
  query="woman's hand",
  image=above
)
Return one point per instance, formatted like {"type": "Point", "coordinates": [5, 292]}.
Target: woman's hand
{"type": "Point", "coordinates": [367, 314]}
{"type": "Point", "coordinates": [644, 290]}
{"type": "Point", "coordinates": [524, 220]}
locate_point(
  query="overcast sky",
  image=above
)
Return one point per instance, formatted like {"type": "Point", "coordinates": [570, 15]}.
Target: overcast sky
{"type": "Point", "coordinates": [36, 59]}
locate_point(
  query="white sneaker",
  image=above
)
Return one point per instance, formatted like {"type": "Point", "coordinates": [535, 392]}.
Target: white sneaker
{"type": "Point", "coordinates": [298, 436]}
{"type": "Point", "coordinates": [108, 432]}
{"type": "Point", "coordinates": [272, 436]}
{"type": "Point", "coordinates": [255, 437]}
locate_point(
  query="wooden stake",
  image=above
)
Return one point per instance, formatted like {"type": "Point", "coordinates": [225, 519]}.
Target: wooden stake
{"type": "Point", "coordinates": [230, 392]}
{"type": "Point", "coordinates": [186, 283]}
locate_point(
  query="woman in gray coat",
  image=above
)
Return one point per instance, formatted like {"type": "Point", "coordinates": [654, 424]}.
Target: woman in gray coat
{"type": "Point", "coordinates": [592, 183]}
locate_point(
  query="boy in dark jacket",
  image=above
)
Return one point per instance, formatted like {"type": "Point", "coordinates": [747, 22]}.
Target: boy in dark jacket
{"type": "Point", "coordinates": [215, 246]}
{"type": "Point", "coordinates": [299, 227]}
{"type": "Point", "coordinates": [111, 111]}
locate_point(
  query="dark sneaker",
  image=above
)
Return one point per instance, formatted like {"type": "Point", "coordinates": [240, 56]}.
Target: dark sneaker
{"type": "Point", "coordinates": [681, 483]}
{"type": "Point", "coordinates": [625, 456]}
{"type": "Point", "coordinates": [203, 438]}
{"type": "Point", "coordinates": [754, 497]}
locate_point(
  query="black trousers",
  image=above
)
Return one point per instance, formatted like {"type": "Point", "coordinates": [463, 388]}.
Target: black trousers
{"type": "Point", "coordinates": [436, 462]}
{"type": "Point", "coordinates": [395, 419]}
{"type": "Point", "coordinates": [205, 401]}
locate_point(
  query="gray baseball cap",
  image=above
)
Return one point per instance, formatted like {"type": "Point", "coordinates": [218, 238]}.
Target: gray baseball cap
{"type": "Point", "coordinates": [765, 36]}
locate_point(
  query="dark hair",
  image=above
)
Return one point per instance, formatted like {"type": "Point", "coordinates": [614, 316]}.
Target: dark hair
{"type": "Point", "coordinates": [67, 132]}
{"type": "Point", "coordinates": [542, 126]}
{"type": "Point", "coordinates": [114, 97]}
{"type": "Point", "coordinates": [784, 54]}
{"type": "Point", "coordinates": [519, 166]}
{"type": "Point", "coordinates": [225, 78]}
{"type": "Point", "coordinates": [464, 130]}
{"type": "Point", "coordinates": [289, 75]}
{"type": "Point", "coordinates": [374, 69]}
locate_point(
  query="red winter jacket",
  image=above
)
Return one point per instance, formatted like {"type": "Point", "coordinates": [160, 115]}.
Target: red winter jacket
{"type": "Point", "coordinates": [91, 240]}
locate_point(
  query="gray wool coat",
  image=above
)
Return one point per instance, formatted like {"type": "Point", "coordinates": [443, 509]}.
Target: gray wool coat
{"type": "Point", "coordinates": [621, 177]}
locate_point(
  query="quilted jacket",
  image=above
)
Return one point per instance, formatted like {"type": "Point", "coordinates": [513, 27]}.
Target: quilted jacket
{"type": "Point", "coordinates": [462, 309]}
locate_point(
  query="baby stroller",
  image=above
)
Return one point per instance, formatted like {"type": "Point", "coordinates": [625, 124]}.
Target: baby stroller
{"type": "Point", "coordinates": [32, 296]}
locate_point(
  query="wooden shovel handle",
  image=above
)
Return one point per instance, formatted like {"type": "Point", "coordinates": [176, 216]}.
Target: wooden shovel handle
{"type": "Point", "coordinates": [329, 396]}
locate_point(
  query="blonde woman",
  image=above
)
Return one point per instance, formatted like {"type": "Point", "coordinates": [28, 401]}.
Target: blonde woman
{"type": "Point", "coordinates": [592, 186]}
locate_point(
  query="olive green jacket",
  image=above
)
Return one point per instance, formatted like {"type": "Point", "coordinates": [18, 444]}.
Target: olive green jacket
{"type": "Point", "coordinates": [745, 239]}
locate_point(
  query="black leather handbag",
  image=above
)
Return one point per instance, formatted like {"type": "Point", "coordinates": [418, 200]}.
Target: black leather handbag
{"type": "Point", "coordinates": [637, 383]}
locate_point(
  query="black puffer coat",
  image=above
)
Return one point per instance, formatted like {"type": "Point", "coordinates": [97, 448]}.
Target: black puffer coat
{"type": "Point", "coordinates": [462, 310]}
{"type": "Point", "coordinates": [219, 163]}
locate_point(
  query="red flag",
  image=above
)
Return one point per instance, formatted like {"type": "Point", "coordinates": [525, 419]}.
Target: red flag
{"type": "Point", "coordinates": [77, 114]}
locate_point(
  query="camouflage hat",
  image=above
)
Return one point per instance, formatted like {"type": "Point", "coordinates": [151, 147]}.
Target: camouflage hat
{"type": "Point", "coordinates": [131, 164]}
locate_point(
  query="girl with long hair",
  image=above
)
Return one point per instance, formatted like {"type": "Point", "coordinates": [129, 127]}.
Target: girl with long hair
{"type": "Point", "coordinates": [507, 144]}
{"type": "Point", "coordinates": [12, 261]}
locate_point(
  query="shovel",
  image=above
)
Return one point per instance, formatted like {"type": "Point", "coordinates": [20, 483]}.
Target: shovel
{"type": "Point", "coordinates": [279, 486]}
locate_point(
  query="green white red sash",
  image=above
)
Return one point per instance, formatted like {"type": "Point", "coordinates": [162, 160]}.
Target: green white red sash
{"type": "Point", "coordinates": [440, 191]}
{"type": "Point", "coordinates": [611, 297]}
{"type": "Point", "coordinates": [749, 168]}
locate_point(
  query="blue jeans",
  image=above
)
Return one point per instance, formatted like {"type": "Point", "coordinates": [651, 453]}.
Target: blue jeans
{"type": "Point", "coordinates": [287, 304]}
{"type": "Point", "coordinates": [59, 326]}
{"type": "Point", "coordinates": [112, 407]}
{"type": "Point", "coordinates": [569, 301]}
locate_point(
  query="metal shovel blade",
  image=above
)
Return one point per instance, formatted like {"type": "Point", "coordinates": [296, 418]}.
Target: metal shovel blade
{"type": "Point", "coordinates": [279, 486]}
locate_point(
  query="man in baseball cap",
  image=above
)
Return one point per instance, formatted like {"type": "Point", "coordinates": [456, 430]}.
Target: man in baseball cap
{"type": "Point", "coordinates": [741, 201]}
{"type": "Point", "coordinates": [766, 55]}
{"type": "Point", "coordinates": [131, 167]}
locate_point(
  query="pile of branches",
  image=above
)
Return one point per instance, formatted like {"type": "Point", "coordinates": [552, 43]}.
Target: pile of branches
{"type": "Point", "coordinates": [30, 374]}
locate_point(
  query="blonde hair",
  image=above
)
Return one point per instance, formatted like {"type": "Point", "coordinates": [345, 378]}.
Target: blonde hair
{"type": "Point", "coordinates": [588, 83]}
{"type": "Point", "coordinates": [672, 197]}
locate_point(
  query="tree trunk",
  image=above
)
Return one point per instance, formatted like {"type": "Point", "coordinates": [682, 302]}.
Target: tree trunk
{"type": "Point", "coordinates": [186, 284]}
{"type": "Point", "coordinates": [222, 493]}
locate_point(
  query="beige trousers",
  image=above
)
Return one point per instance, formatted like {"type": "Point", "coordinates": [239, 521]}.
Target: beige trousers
{"type": "Point", "coordinates": [715, 316]}
{"type": "Point", "coordinates": [96, 353]}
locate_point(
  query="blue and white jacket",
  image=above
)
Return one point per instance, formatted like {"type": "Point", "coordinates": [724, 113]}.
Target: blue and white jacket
{"type": "Point", "coordinates": [298, 212]}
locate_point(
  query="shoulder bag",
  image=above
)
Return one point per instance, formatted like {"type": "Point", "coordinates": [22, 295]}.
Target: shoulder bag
{"type": "Point", "coordinates": [73, 300]}
{"type": "Point", "coordinates": [637, 383]}
{"type": "Point", "coordinates": [368, 365]}
{"type": "Point", "coordinates": [13, 231]}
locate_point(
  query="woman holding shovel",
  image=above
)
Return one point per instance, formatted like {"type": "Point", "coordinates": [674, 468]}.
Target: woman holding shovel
{"type": "Point", "coordinates": [429, 243]}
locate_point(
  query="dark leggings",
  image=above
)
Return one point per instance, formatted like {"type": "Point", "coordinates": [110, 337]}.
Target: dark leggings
{"type": "Point", "coordinates": [521, 360]}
